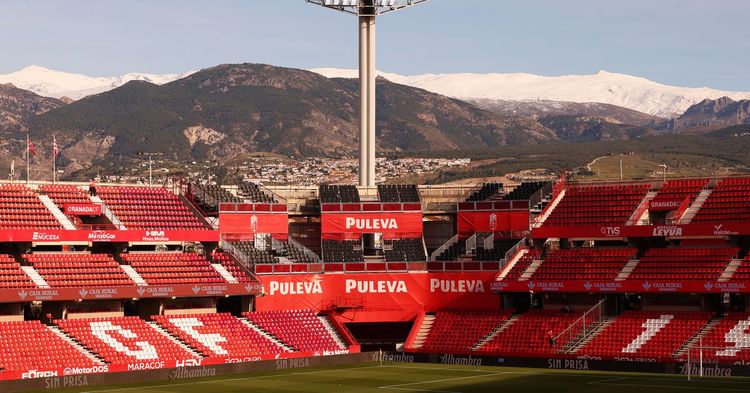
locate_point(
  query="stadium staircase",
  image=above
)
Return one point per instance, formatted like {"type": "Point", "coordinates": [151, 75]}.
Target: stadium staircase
{"type": "Point", "coordinates": [582, 341]}
{"type": "Point", "coordinates": [640, 215]}
{"type": "Point", "coordinates": [108, 213]}
{"type": "Point", "coordinates": [512, 263]}
{"type": "Point", "coordinates": [424, 330]}
{"type": "Point", "coordinates": [256, 328]}
{"type": "Point", "coordinates": [497, 330]}
{"type": "Point", "coordinates": [731, 268]}
{"type": "Point", "coordinates": [529, 272]}
{"type": "Point", "coordinates": [59, 215]}
{"type": "Point", "coordinates": [224, 273]}
{"type": "Point", "coordinates": [35, 276]}
{"type": "Point", "coordinates": [626, 270]}
{"type": "Point", "coordinates": [137, 279]}
{"type": "Point", "coordinates": [174, 339]}
{"type": "Point", "coordinates": [695, 206]}
{"type": "Point", "coordinates": [696, 339]}
{"type": "Point", "coordinates": [549, 209]}
{"type": "Point", "coordinates": [75, 344]}
{"type": "Point", "coordinates": [332, 331]}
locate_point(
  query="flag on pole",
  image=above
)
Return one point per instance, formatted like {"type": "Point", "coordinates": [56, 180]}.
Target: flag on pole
{"type": "Point", "coordinates": [54, 145]}
{"type": "Point", "coordinates": [31, 148]}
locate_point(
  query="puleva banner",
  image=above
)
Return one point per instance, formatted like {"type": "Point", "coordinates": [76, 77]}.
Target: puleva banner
{"type": "Point", "coordinates": [392, 224]}
{"type": "Point", "coordinates": [360, 296]}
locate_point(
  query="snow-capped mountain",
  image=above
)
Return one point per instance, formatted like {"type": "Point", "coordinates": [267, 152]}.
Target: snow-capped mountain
{"type": "Point", "coordinates": [627, 91]}
{"type": "Point", "coordinates": [58, 84]}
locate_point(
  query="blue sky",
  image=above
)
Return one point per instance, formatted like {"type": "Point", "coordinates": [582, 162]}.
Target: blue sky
{"type": "Point", "coordinates": [681, 42]}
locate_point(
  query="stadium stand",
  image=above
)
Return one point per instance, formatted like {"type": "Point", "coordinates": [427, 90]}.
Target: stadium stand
{"type": "Point", "coordinates": [254, 255]}
{"type": "Point", "coordinates": [500, 246]}
{"type": "Point", "coordinates": [149, 208]}
{"type": "Point", "coordinates": [29, 345]}
{"type": "Point", "coordinates": [743, 270]}
{"type": "Point", "coordinates": [218, 335]}
{"type": "Point", "coordinates": [398, 193]}
{"type": "Point", "coordinates": [11, 275]}
{"type": "Point", "coordinates": [584, 263]}
{"type": "Point", "coordinates": [294, 253]}
{"type": "Point", "coordinates": [729, 339]}
{"type": "Point", "coordinates": [675, 191]}
{"type": "Point", "coordinates": [461, 331]}
{"type": "Point", "coordinates": [488, 191]}
{"type": "Point", "coordinates": [729, 201]}
{"type": "Point", "coordinates": [338, 194]}
{"type": "Point", "coordinates": [405, 250]}
{"type": "Point", "coordinates": [21, 208]}
{"type": "Point", "coordinates": [233, 267]}
{"type": "Point", "coordinates": [652, 334]}
{"type": "Point", "coordinates": [525, 190]}
{"type": "Point", "coordinates": [65, 194]}
{"type": "Point", "coordinates": [173, 268]}
{"type": "Point", "coordinates": [527, 335]}
{"type": "Point", "coordinates": [597, 205]}
{"type": "Point", "coordinates": [342, 251]}
{"type": "Point", "coordinates": [302, 330]}
{"type": "Point", "coordinates": [209, 196]}
{"type": "Point", "coordinates": [122, 340]}
{"type": "Point", "coordinates": [683, 263]}
{"type": "Point", "coordinates": [255, 194]}
{"type": "Point", "coordinates": [523, 263]}
{"type": "Point", "coordinates": [78, 269]}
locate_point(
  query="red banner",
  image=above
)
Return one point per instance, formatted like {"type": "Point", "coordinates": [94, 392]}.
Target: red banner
{"type": "Point", "coordinates": [379, 296]}
{"type": "Point", "coordinates": [471, 222]}
{"type": "Point", "coordinates": [91, 209]}
{"type": "Point", "coordinates": [353, 225]}
{"type": "Point", "coordinates": [127, 292]}
{"type": "Point", "coordinates": [243, 223]}
{"type": "Point", "coordinates": [629, 286]}
{"type": "Point", "coordinates": [62, 236]}
{"type": "Point", "coordinates": [623, 231]}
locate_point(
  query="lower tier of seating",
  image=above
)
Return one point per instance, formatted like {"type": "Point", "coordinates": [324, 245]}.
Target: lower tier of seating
{"type": "Point", "coordinates": [461, 331]}
{"type": "Point", "coordinates": [302, 330]}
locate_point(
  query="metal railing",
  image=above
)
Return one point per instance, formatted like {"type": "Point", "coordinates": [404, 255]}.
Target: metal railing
{"type": "Point", "coordinates": [440, 250]}
{"type": "Point", "coordinates": [581, 328]}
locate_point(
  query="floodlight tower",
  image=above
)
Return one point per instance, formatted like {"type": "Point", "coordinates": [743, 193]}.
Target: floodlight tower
{"type": "Point", "coordinates": [366, 12]}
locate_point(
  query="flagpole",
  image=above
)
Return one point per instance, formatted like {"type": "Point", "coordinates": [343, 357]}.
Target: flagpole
{"type": "Point", "coordinates": [54, 159]}
{"type": "Point", "coordinates": [27, 158]}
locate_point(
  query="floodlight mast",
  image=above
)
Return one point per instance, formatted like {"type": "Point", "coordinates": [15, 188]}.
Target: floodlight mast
{"type": "Point", "coordinates": [367, 11]}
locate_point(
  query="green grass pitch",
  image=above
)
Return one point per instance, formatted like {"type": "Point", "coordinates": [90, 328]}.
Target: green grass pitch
{"type": "Point", "coordinates": [399, 377]}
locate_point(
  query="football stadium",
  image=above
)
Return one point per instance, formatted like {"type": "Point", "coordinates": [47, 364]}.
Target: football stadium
{"type": "Point", "coordinates": [559, 284]}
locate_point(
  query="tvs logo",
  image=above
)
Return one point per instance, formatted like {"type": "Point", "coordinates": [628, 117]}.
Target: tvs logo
{"type": "Point", "coordinates": [493, 222]}
{"type": "Point", "coordinates": [22, 294]}
{"type": "Point", "coordinates": [45, 237]}
{"type": "Point", "coordinates": [610, 231]}
{"type": "Point", "coordinates": [254, 223]}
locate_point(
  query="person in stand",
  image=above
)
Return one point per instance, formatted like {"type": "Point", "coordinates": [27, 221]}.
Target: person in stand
{"type": "Point", "coordinates": [551, 338]}
{"type": "Point", "coordinates": [92, 187]}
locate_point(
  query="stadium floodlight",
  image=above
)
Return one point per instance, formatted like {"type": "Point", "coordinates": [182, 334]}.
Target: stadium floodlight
{"type": "Point", "coordinates": [366, 11]}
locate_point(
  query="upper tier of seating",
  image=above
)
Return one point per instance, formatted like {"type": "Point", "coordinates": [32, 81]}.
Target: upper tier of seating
{"type": "Point", "coordinates": [29, 345]}
{"type": "Point", "coordinates": [597, 205]}
{"type": "Point", "coordinates": [149, 208]}
{"type": "Point", "coordinates": [525, 190]}
{"type": "Point", "coordinates": [342, 251]}
{"type": "Point", "coordinates": [674, 192]}
{"type": "Point", "coordinates": [683, 263]}
{"type": "Point", "coordinates": [585, 263]}
{"type": "Point", "coordinates": [398, 193]}
{"type": "Point", "coordinates": [173, 268]}
{"type": "Point", "coordinates": [65, 194]}
{"type": "Point", "coordinates": [21, 208]}
{"type": "Point", "coordinates": [302, 330]}
{"type": "Point", "coordinates": [78, 269]}
{"type": "Point", "coordinates": [122, 340]}
{"type": "Point", "coordinates": [488, 191]}
{"type": "Point", "coordinates": [255, 194]}
{"type": "Point", "coordinates": [11, 275]}
{"type": "Point", "coordinates": [732, 334]}
{"type": "Point", "coordinates": [218, 335]}
{"type": "Point", "coordinates": [405, 250]}
{"type": "Point", "coordinates": [461, 331]}
{"type": "Point", "coordinates": [646, 334]}
{"type": "Point", "coordinates": [529, 333]}
{"type": "Point", "coordinates": [728, 201]}
{"type": "Point", "coordinates": [209, 196]}
{"type": "Point", "coordinates": [338, 194]}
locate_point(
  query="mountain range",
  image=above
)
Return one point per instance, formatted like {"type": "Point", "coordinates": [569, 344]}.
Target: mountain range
{"type": "Point", "coordinates": [230, 110]}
